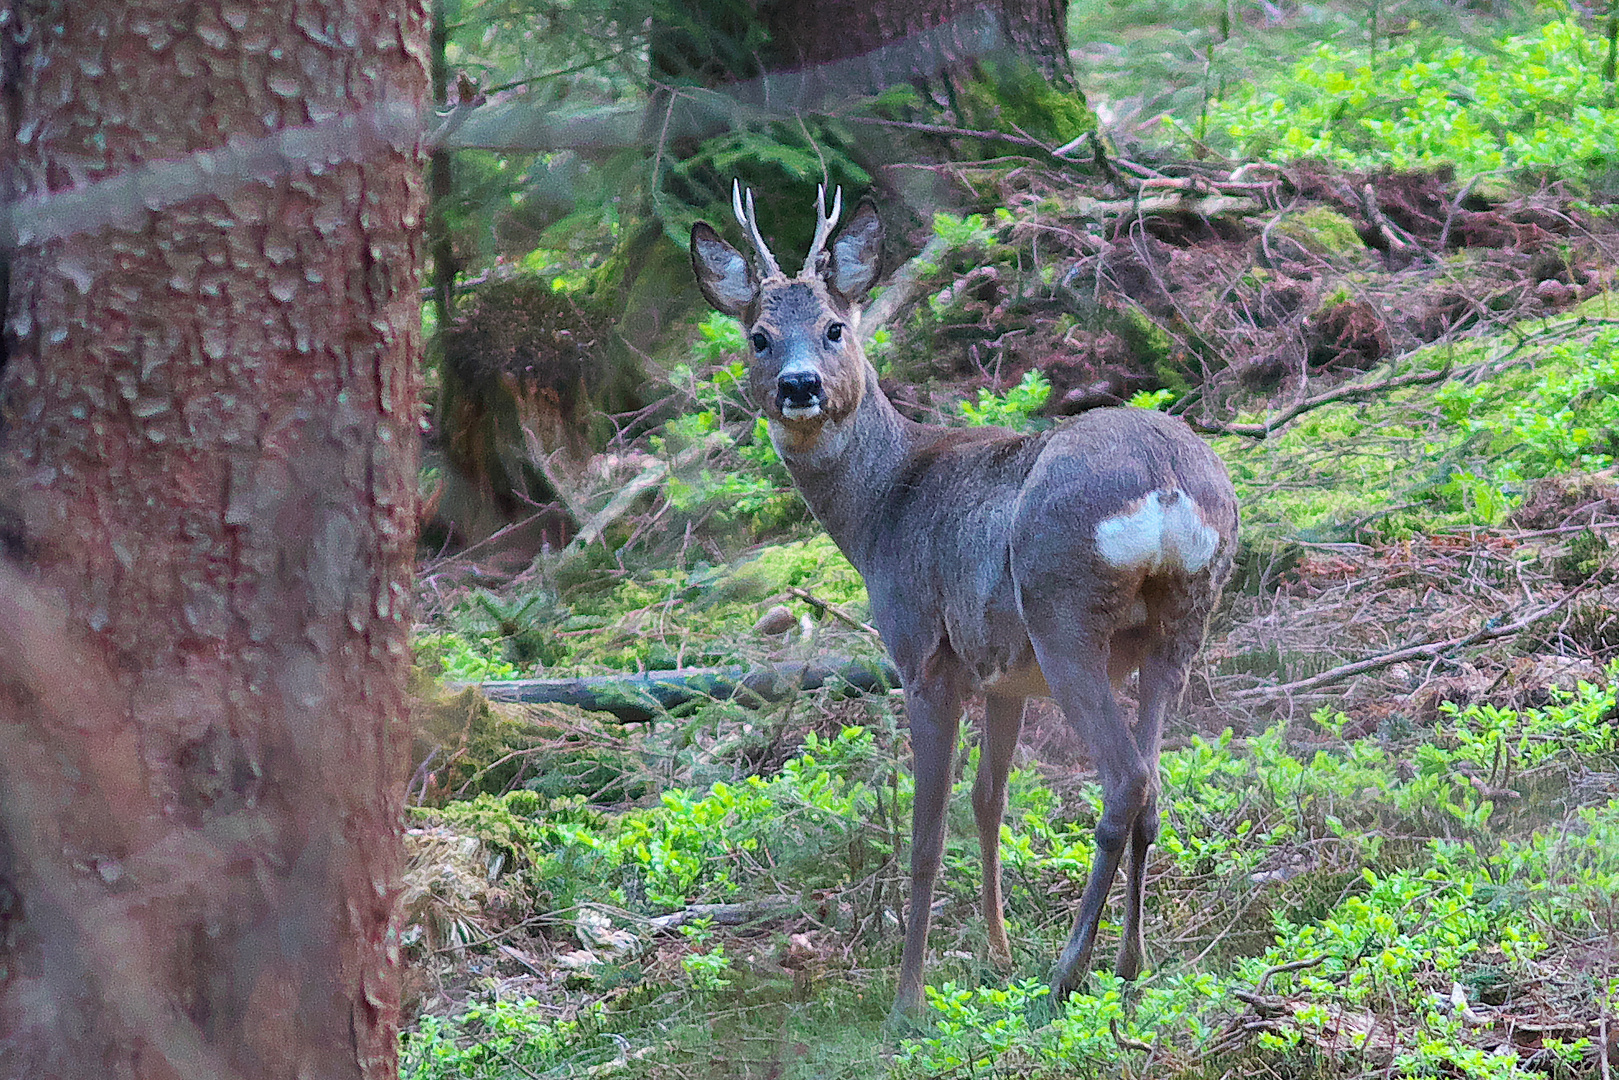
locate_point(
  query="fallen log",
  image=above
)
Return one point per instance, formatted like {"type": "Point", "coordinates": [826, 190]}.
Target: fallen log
{"type": "Point", "coordinates": [637, 698]}
{"type": "Point", "coordinates": [770, 907]}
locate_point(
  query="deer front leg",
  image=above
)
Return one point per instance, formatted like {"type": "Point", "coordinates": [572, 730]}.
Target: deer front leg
{"type": "Point", "coordinates": [1003, 718]}
{"type": "Point", "coordinates": [933, 703]}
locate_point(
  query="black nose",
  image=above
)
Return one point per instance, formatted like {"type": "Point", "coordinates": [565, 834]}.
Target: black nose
{"type": "Point", "coordinates": [799, 388]}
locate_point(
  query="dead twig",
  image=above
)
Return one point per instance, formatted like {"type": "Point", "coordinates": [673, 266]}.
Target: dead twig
{"type": "Point", "coordinates": [1124, 1041]}
{"type": "Point", "coordinates": [1352, 391]}
{"type": "Point", "coordinates": [835, 611]}
{"type": "Point", "coordinates": [1099, 157]}
{"type": "Point", "coordinates": [1451, 212]}
{"type": "Point", "coordinates": [1280, 969]}
{"type": "Point", "coordinates": [493, 539]}
{"type": "Point", "coordinates": [908, 283]}
{"type": "Point", "coordinates": [1426, 651]}
{"type": "Point", "coordinates": [957, 133]}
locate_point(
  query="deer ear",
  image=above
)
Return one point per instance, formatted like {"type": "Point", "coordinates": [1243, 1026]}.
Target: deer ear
{"type": "Point", "coordinates": [857, 254]}
{"type": "Point", "coordinates": [727, 280]}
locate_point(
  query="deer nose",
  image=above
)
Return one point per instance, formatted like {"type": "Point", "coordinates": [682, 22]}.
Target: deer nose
{"type": "Point", "coordinates": [798, 389]}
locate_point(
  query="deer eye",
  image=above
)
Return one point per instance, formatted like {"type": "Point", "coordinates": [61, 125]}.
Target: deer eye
{"type": "Point", "coordinates": [760, 342]}
{"type": "Point", "coordinates": [834, 332]}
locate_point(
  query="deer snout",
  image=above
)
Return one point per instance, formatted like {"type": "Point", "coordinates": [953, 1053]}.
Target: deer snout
{"type": "Point", "coordinates": [799, 394]}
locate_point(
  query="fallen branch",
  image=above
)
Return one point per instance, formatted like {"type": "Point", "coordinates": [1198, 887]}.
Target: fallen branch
{"type": "Point", "coordinates": [1352, 391]}
{"type": "Point", "coordinates": [1426, 651]}
{"type": "Point", "coordinates": [908, 283]}
{"type": "Point", "coordinates": [1124, 1041]}
{"type": "Point", "coordinates": [648, 478]}
{"type": "Point", "coordinates": [835, 611]}
{"type": "Point", "coordinates": [1394, 238]}
{"type": "Point", "coordinates": [637, 698]}
{"type": "Point", "coordinates": [725, 914]}
{"type": "Point", "coordinates": [1182, 198]}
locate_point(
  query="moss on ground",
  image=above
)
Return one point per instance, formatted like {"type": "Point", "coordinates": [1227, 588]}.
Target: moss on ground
{"type": "Point", "coordinates": [1322, 230]}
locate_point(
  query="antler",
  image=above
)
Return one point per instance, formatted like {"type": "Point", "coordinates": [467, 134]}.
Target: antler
{"type": "Point", "coordinates": [823, 224]}
{"type": "Point", "coordinates": [751, 223]}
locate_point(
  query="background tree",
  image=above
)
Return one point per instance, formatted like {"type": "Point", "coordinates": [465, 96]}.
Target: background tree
{"type": "Point", "coordinates": [210, 429]}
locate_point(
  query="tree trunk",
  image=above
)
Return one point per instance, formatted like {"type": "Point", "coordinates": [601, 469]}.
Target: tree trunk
{"type": "Point", "coordinates": [803, 33]}
{"type": "Point", "coordinates": [441, 177]}
{"type": "Point", "coordinates": [208, 420]}
{"type": "Point", "coordinates": [712, 44]}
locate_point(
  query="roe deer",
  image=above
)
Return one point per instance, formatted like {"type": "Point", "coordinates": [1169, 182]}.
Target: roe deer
{"type": "Point", "coordinates": [1053, 564]}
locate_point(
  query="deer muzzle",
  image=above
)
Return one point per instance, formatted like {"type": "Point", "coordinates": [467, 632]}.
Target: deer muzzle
{"type": "Point", "coordinates": [799, 395]}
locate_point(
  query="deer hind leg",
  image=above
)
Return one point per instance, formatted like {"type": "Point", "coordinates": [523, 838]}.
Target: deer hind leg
{"type": "Point", "coordinates": [1076, 668]}
{"type": "Point", "coordinates": [933, 703]}
{"type": "Point", "coordinates": [1165, 662]}
{"type": "Point", "coordinates": [1003, 718]}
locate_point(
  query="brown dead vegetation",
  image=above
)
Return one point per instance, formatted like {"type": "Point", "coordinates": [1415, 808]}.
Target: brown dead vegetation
{"type": "Point", "coordinates": [1303, 279]}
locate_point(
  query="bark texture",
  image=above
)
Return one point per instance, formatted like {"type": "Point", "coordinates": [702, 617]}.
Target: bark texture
{"type": "Point", "coordinates": [207, 443]}
{"type": "Point", "coordinates": [717, 43]}
{"type": "Point", "coordinates": [811, 32]}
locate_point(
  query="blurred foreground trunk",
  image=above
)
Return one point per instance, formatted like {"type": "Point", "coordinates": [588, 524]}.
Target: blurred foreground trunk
{"type": "Point", "coordinates": [208, 420]}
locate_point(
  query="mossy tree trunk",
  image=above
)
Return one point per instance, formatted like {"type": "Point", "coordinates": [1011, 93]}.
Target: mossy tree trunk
{"type": "Point", "coordinates": [208, 444]}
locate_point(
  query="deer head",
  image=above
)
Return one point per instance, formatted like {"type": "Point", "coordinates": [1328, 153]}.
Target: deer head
{"type": "Point", "coordinates": [807, 366]}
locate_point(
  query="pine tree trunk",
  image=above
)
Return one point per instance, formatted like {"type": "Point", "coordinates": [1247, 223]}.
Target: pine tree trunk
{"type": "Point", "coordinates": [208, 419]}
{"type": "Point", "coordinates": [809, 32]}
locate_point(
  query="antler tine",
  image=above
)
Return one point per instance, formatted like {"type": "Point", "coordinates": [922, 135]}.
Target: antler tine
{"type": "Point", "coordinates": [749, 221]}
{"type": "Point", "coordinates": [823, 223]}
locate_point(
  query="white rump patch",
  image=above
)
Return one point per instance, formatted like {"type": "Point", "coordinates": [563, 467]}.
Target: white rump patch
{"type": "Point", "coordinates": [1162, 531]}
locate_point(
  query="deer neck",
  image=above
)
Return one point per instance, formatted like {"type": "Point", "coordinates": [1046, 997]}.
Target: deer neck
{"type": "Point", "coordinates": [850, 466]}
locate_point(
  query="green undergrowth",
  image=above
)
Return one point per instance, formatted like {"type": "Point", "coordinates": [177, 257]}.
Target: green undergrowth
{"type": "Point", "coordinates": [605, 619]}
{"type": "Point", "coordinates": [1534, 402]}
{"type": "Point", "coordinates": [1417, 880]}
{"type": "Point", "coordinates": [1533, 104]}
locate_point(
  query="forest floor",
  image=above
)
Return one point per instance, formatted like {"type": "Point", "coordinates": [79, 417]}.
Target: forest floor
{"type": "Point", "coordinates": [1391, 844]}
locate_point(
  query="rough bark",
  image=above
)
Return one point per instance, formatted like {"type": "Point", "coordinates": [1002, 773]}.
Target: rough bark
{"type": "Point", "coordinates": [805, 33]}
{"type": "Point", "coordinates": [712, 44]}
{"type": "Point", "coordinates": [441, 176]}
{"type": "Point", "coordinates": [208, 444]}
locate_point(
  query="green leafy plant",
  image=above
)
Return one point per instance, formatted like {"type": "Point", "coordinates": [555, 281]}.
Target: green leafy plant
{"type": "Point", "coordinates": [749, 481]}
{"type": "Point", "coordinates": [1152, 399]}
{"type": "Point", "coordinates": [1015, 409]}
{"type": "Point", "coordinates": [1533, 102]}
{"type": "Point", "coordinates": [460, 658]}
{"type": "Point", "coordinates": [489, 1040]}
